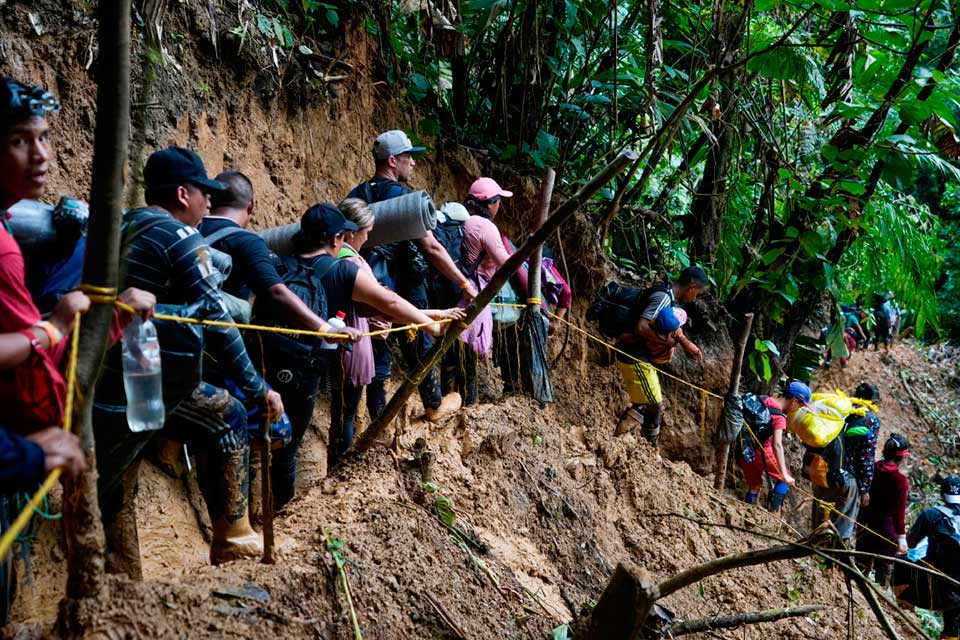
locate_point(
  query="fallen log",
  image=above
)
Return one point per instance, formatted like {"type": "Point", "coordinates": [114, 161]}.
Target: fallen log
{"type": "Point", "coordinates": [733, 621]}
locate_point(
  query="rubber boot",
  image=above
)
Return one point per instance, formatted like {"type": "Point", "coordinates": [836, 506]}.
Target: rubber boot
{"type": "Point", "coordinates": [751, 497]}
{"type": "Point", "coordinates": [233, 538]}
{"type": "Point", "coordinates": [122, 537]}
{"type": "Point", "coordinates": [630, 419]}
{"type": "Point", "coordinates": [651, 428]}
{"type": "Point", "coordinates": [778, 495]}
{"type": "Point", "coordinates": [449, 405]}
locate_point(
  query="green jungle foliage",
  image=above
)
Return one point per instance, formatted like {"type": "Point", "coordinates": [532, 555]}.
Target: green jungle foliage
{"type": "Point", "coordinates": [793, 148]}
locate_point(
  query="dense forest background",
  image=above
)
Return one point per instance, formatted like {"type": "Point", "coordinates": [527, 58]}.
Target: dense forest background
{"type": "Point", "coordinates": [804, 152]}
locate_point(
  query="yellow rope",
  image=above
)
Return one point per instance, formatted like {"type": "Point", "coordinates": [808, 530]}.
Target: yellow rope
{"type": "Point", "coordinates": [624, 353]}
{"type": "Point", "coordinates": [23, 519]}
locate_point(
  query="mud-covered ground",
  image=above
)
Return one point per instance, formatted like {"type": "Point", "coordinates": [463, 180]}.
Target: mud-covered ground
{"type": "Point", "coordinates": [548, 499]}
{"type": "Point", "coordinates": [547, 502]}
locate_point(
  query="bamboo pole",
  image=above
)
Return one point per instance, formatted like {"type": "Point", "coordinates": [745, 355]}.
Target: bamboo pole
{"type": "Point", "coordinates": [84, 530]}
{"type": "Point", "coordinates": [723, 446]}
{"type": "Point", "coordinates": [536, 260]}
{"type": "Point", "coordinates": [560, 215]}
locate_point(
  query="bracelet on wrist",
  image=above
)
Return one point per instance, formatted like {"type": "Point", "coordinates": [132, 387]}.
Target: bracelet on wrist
{"type": "Point", "coordinates": [52, 332]}
{"type": "Point", "coordinates": [465, 285]}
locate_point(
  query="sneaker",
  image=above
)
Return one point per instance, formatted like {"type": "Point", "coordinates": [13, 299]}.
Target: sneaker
{"type": "Point", "coordinates": [449, 405]}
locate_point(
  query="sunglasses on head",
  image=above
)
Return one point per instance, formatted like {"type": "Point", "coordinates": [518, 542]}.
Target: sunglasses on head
{"type": "Point", "coordinates": [27, 101]}
{"type": "Point", "coordinates": [492, 200]}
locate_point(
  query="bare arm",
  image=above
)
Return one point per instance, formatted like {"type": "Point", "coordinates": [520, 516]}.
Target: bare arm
{"type": "Point", "coordinates": [442, 261]}
{"type": "Point", "coordinates": [688, 346]}
{"type": "Point", "coordinates": [298, 313]}
{"type": "Point", "coordinates": [368, 291]}
{"type": "Point", "coordinates": [778, 454]}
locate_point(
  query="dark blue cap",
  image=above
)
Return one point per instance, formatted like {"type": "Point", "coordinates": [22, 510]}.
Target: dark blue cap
{"type": "Point", "coordinates": [667, 321]}
{"type": "Point", "coordinates": [175, 166]}
{"type": "Point", "coordinates": [323, 221]}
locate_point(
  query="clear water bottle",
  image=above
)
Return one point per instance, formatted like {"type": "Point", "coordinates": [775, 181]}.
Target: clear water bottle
{"type": "Point", "coordinates": [141, 376]}
{"type": "Point", "coordinates": [338, 322]}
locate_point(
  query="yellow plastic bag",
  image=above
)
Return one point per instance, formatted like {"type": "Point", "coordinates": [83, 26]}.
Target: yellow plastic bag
{"type": "Point", "coordinates": [819, 422]}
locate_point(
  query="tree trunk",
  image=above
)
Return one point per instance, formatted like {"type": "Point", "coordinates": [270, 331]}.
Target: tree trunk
{"type": "Point", "coordinates": [622, 609]}
{"type": "Point", "coordinates": [84, 530]}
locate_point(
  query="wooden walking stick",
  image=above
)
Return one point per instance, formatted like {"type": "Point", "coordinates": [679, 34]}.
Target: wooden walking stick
{"type": "Point", "coordinates": [725, 438]}
{"type": "Point", "coordinates": [266, 491]}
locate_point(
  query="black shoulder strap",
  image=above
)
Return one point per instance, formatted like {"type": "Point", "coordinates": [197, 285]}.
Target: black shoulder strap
{"type": "Point", "coordinates": [227, 231]}
{"type": "Point", "coordinates": [368, 191]}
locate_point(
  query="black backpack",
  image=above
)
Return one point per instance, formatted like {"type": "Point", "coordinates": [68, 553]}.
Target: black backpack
{"type": "Point", "coordinates": [306, 281]}
{"type": "Point", "coordinates": [949, 527]}
{"type": "Point", "coordinates": [617, 308]}
{"type": "Point", "coordinates": [760, 419]}
{"type": "Point", "coordinates": [451, 234]}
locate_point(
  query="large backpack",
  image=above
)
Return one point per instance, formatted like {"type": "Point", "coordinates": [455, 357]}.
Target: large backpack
{"type": "Point", "coordinates": [452, 235]}
{"type": "Point", "coordinates": [617, 308]}
{"type": "Point", "coordinates": [759, 417]}
{"type": "Point", "coordinates": [296, 353]}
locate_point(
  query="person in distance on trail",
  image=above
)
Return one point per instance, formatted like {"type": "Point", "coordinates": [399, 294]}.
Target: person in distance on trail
{"type": "Point", "coordinates": [941, 527]}
{"type": "Point", "coordinates": [886, 511]}
{"type": "Point", "coordinates": [642, 382]}
{"type": "Point", "coordinates": [168, 257]}
{"type": "Point", "coordinates": [761, 447]}
{"type": "Point", "coordinates": [861, 434]}
{"type": "Point", "coordinates": [402, 268]}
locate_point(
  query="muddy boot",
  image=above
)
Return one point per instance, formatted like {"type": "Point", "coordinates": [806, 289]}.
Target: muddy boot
{"type": "Point", "coordinates": [122, 538]}
{"type": "Point", "coordinates": [168, 455]}
{"type": "Point", "coordinates": [630, 419]}
{"type": "Point", "coordinates": [449, 405]}
{"type": "Point", "coordinates": [233, 538]}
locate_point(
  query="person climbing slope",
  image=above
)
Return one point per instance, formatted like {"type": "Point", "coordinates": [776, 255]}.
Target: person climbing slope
{"type": "Point", "coordinates": [641, 380]}
{"type": "Point", "coordinates": [761, 447]}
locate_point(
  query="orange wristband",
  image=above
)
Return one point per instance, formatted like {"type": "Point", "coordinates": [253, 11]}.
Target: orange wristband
{"type": "Point", "coordinates": [465, 285]}
{"type": "Point", "coordinates": [52, 332]}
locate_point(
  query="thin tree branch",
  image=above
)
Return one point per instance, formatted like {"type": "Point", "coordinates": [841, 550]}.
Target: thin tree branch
{"type": "Point", "coordinates": [685, 627]}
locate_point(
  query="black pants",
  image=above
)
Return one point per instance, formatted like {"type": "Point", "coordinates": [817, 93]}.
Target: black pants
{"type": "Point", "coordinates": [459, 372]}
{"type": "Point", "coordinates": [414, 351]}
{"type": "Point", "coordinates": [377, 389]}
{"type": "Point", "coordinates": [344, 403]}
{"type": "Point", "coordinates": [299, 397]}
{"type": "Point", "coordinates": [506, 351]}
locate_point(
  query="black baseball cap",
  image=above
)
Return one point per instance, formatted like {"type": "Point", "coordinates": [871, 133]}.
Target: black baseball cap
{"type": "Point", "coordinates": [323, 221]}
{"type": "Point", "coordinates": [176, 166]}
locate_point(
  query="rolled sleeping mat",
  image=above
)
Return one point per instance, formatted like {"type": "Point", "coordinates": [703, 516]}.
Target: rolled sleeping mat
{"type": "Point", "coordinates": [408, 217]}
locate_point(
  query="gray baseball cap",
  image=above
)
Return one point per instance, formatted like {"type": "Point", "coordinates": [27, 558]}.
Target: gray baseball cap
{"type": "Point", "coordinates": [393, 143]}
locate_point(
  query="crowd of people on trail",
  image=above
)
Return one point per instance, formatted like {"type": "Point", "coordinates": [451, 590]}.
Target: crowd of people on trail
{"type": "Point", "coordinates": [189, 252]}
{"type": "Point", "coordinates": [221, 384]}
{"type": "Point", "coordinates": [878, 324]}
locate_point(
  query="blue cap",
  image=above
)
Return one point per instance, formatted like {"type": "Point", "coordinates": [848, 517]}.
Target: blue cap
{"type": "Point", "coordinates": [667, 321]}
{"type": "Point", "coordinates": [799, 391]}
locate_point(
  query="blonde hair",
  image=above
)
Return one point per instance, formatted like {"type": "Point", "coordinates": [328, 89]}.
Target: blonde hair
{"type": "Point", "coordinates": [357, 211]}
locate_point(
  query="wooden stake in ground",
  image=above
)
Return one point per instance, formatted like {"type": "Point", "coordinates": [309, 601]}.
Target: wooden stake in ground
{"type": "Point", "coordinates": [84, 530]}
{"type": "Point", "coordinates": [536, 260]}
{"type": "Point", "coordinates": [723, 442]}
{"type": "Point", "coordinates": [562, 213]}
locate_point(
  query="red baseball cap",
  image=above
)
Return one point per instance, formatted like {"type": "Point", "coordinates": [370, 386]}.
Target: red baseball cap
{"type": "Point", "coordinates": [487, 188]}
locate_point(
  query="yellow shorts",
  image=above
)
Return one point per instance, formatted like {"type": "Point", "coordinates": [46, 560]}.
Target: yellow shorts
{"type": "Point", "coordinates": [642, 382]}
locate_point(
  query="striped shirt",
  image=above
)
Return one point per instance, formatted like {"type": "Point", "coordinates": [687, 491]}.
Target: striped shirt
{"type": "Point", "coordinates": [171, 260]}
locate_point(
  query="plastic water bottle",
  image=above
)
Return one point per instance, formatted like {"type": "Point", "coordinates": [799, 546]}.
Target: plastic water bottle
{"type": "Point", "coordinates": [141, 376]}
{"type": "Point", "coordinates": [338, 322]}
